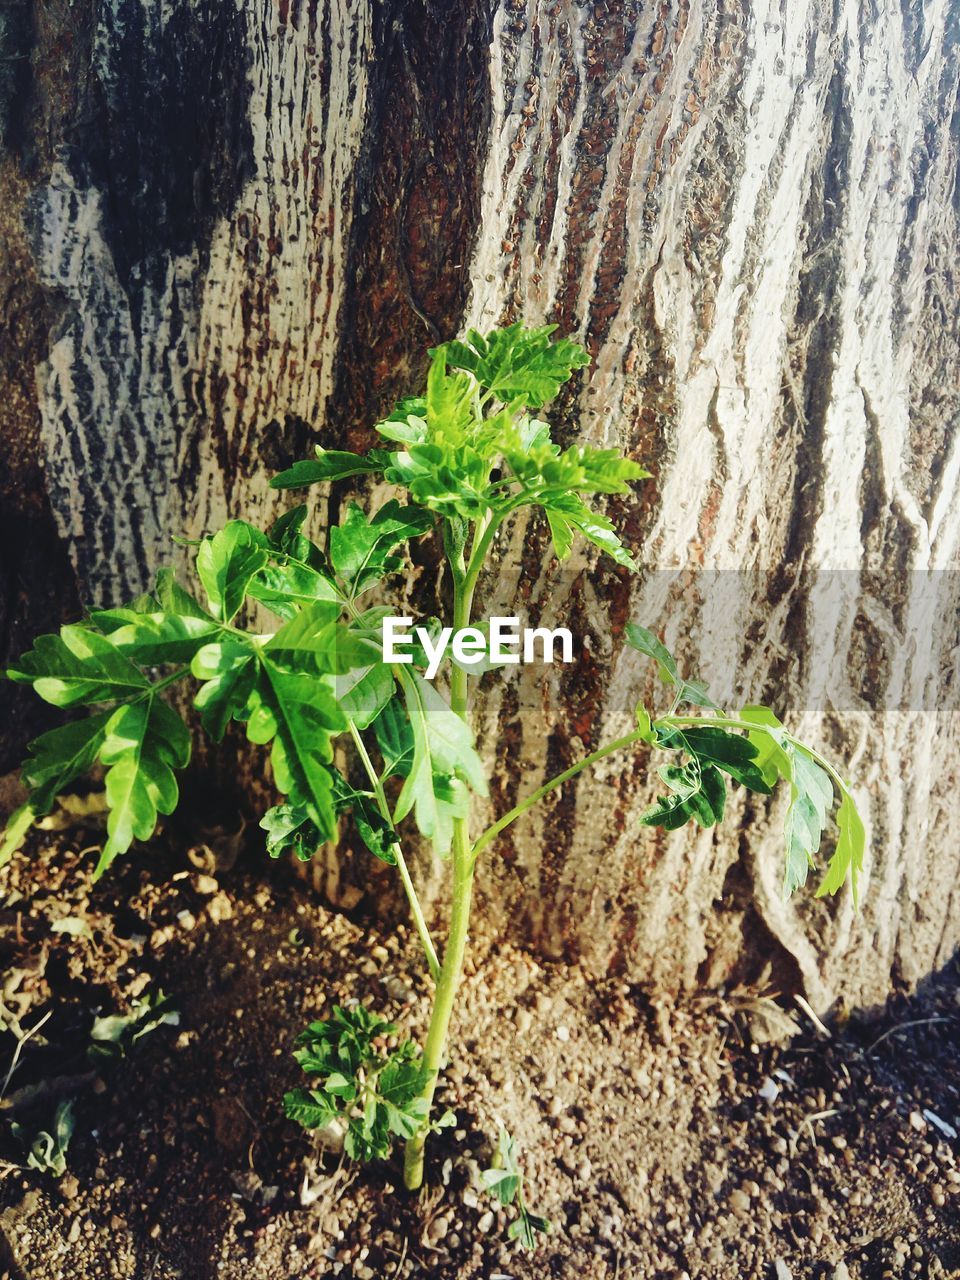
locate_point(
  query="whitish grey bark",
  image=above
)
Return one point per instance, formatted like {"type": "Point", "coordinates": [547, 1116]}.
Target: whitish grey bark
{"type": "Point", "coordinates": [747, 213]}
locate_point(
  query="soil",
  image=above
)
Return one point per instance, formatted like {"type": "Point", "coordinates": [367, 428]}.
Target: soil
{"type": "Point", "coordinates": [723, 1136]}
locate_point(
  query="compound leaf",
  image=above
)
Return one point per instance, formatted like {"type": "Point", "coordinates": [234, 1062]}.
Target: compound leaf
{"type": "Point", "coordinates": [811, 792]}
{"type": "Point", "coordinates": [289, 826]}
{"type": "Point", "coordinates": [78, 666]}
{"type": "Point", "coordinates": [443, 758]}
{"type": "Point", "coordinates": [645, 642]}
{"type": "Point", "coordinates": [229, 672]}
{"type": "Point", "coordinates": [329, 464]}
{"type": "Point", "coordinates": [226, 564]}
{"type": "Point", "coordinates": [360, 547]}
{"type": "Point", "coordinates": [307, 717]}
{"type": "Point", "coordinates": [848, 855]}
{"type": "Point", "coordinates": [516, 363]}
{"type": "Point", "coordinates": [143, 743]}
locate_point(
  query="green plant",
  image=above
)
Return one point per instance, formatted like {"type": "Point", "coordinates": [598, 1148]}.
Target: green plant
{"type": "Point", "coordinates": [372, 1092]}
{"type": "Point", "coordinates": [504, 1180]}
{"type": "Point", "coordinates": [47, 1152]}
{"type": "Point", "coordinates": [114, 1035]}
{"type": "Point", "coordinates": [468, 454]}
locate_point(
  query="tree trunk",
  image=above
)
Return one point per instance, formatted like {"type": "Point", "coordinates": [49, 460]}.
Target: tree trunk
{"type": "Point", "coordinates": [232, 230]}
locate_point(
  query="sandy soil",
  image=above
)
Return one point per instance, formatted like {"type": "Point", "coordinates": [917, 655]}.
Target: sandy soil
{"type": "Point", "coordinates": [662, 1139]}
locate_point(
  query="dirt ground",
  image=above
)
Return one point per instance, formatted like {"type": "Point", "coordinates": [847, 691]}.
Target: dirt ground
{"type": "Point", "coordinates": [662, 1140]}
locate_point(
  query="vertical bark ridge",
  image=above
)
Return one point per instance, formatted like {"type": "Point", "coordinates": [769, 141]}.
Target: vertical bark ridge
{"type": "Point", "coordinates": [740, 281]}
{"type": "Point", "coordinates": [203, 281]}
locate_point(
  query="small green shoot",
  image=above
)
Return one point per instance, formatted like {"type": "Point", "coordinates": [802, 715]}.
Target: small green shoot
{"type": "Point", "coordinates": [115, 1035]}
{"type": "Point", "coordinates": [47, 1152]}
{"type": "Point", "coordinates": [504, 1180]}
{"type": "Point", "coordinates": [375, 1093]}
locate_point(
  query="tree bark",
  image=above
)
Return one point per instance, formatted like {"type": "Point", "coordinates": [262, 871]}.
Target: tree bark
{"type": "Point", "coordinates": [232, 230]}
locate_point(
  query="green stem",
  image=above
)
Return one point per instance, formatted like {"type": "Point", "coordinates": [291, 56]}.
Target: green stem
{"type": "Point", "coordinates": [452, 967]}
{"type": "Point", "coordinates": [668, 721]}
{"type": "Point", "coordinates": [495, 828]}
{"type": "Point", "coordinates": [168, 680]}
{"type": "Point", "coordinates": [416, 910]}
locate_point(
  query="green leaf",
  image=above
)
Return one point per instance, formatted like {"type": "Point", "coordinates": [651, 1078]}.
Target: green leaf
{"type": "Point", "coordinates": [310, 631]}
{"type": "Point", "coordinates": [376, 1096]}
{"type": "Point", "coordinates": [401, 1083]}
{"type": "Point", "coordinates": [309, 1108]}
{"type": "Point", "coordinates": [288, 826]}
{"type": "Point", "coordinates": [115, 1035]}
{"type": "Point", "coordinates": [848, 855]}
{"type": "Point", "coordinates": [646, 642]}
{"type": "Point", "coordinates": [229, 673]}
{"type": "Point", "coordinates": [15, 832]}
{"type": "Point", "coordinates": [360, 548]}
{"type": "Point", "coordinates": [285, 534]}
{"type": "Point", "coordinates": [172, 598]}
{"type": "Point", "coordinates": [286, 588]}
{"type": "Point", "coordinates": [48, 1151]}
{"type": "Point", "coordinates": [517, 364]}
{"type": "Point", "coordinates": [504, 1178]}
{"type": "Point", "coordinates": [443, 754]}
{"type": "Point", "coordinates": [78, 666]}
{"type": "Point", "coordinates": [568, 515]}
{"type": "Point", "coordinates": [307, 717]}
{"type": "Point", "coordinates": [61, 755]}
{"type": "Point", "coordinates": [729, 751]}
{"type": "Point", "coordinates": [526, 1227]}
{"type": "Point", "coordinates": [645, 724]}
{"type": "Point", "coordinates": [364, 692]}
{"type": "Point", "coordinates": [226, 564]}
{"type": "Point", "coordinates": [692, 691]}
{"type": "Point", "coordinates": [811, 791]}
{"type": "Point", "coordinates": [143, 743]}
{"type": "Point", "coordinates": [454, 480]}
{"type": "Point", "coordinates": [314, 642]}
{"type": "Point", "coordinates": [394, 735]}
{"type": "Point", "coordinates": [450, 738]}
{"type": "Point", "coordinates": [373, 828]}
{"type": "Point", "coordinates": [450, 410]}
{"type": "Point", "coordinates": [697, 791]}
{"type": "Point", "coordinates": [329, 464]}
{"type": "Point", "coordinates": [155, 639]}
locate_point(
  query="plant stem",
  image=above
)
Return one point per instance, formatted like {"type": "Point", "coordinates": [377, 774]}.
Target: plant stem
{"type": "Point", "coordinates": [495, 828]}
{"type": "Point", "coordinates": [447, 986]}
{"type": "Point", "coordinates": [452, 967]}
{"type": "Point", "coordinates": [416, 910]}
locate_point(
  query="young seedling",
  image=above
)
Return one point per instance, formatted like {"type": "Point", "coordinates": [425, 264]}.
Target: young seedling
{"type": "Point", "coordinates": [467, 455]}
{"type": "Point", "coordinates": [114, 1035]}
{"type": "Point", "coordinates": [374, 1094]}
{"type": "Point", "coordinates": [504, 1180]}
{"type": "Point", "coordinates": [47, 1152]}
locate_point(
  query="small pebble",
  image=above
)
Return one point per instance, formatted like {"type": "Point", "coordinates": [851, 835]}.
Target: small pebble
{"type": "Point", "coordinates": [739, 1201]}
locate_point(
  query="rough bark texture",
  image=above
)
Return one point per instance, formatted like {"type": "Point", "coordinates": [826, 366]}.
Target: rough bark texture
{"type": "Point", "coordinates": [231, 230]}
